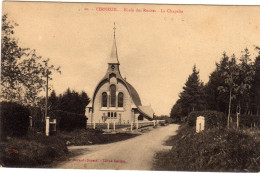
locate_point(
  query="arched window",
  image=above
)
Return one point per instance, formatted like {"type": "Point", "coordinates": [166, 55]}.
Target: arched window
{"type": "Point", "coordinates": [120, 99]}
{"type": "Point", "coordinates": [104, 99]}
{"type": "Point", "coordinates": [113, 96]}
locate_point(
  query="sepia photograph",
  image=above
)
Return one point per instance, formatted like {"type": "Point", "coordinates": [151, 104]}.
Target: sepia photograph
{"type": "Point", "coordinates": [120, 86]}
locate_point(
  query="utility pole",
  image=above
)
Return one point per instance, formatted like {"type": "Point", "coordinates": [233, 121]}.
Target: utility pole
{"type": "Point", "coordinates": [47, 119]}
{"type": "Point", "coordinates": [46, 98]}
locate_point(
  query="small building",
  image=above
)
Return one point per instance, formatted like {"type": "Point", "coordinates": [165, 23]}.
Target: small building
{"type": "Point", "coordinates": [115, 98]}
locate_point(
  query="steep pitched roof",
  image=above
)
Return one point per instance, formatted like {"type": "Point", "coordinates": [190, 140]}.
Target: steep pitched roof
{"type": "Point", "coordinates": [147, 111]}
{"type": "Point", "coordinates": [134, 95]}
{"type": "Point", "coordinates": [114, 57]}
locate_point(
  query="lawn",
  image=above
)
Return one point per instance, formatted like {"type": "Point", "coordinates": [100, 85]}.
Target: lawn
{"type": "Point", "coordinates": [36, 149]}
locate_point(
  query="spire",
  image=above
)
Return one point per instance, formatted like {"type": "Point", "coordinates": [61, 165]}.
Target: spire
{"type": "Point", "coordinates": [114, 58]}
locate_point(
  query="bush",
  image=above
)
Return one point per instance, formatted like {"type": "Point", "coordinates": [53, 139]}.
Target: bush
{"type": "Point", "coordinates": [249, 121]}
{"type": "Point", "coordinates": [14, 119]}
{"type": "Point", "coordinates": [212, 118]}
{"type": "Point", "coordinates": [216, 149]}
{"type": "Point", "coordinates": [70, 121]}
{"type": "Point", "coordinates": [31, 151]}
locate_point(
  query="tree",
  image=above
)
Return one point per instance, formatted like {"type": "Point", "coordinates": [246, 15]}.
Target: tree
{"type": "Point", "coordinates": [230, 74]}
{"type": "Point", "coordinates": [244, 84]}
{"type": "Point", "coordinates": [255, 90]}
{"type": "Point", "coordinates": [216, 100]}
{"type": "Point", "coordinates": [191, 98]}
{"type": "Point", "coordinates": [23, 75]}
{"type": "Point", "coordinates": [191, 95]}
{"type": "Point", "coordinates": [69, 101]}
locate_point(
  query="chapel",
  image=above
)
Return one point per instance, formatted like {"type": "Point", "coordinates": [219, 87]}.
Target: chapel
{"type": "Point", "coordinates": [115, 99]}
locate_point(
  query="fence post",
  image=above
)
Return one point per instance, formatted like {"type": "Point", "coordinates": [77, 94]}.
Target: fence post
{"type": "Point", "coordinates": [47, 126]}
{"type": "Point", "coordinates": [137, 125]}
{"type": "Point", "coordinates": [30, 122]}
{"type": "Point", "coordinates": [131, 126]}
{"type": "Point", "coordinates": [107, 125]}
{"type": "Point", "coordinates": [154, 123]}
{"type": "Point", "coordinates": [94, 127]}
{"type": "Point", "coordinates": [114, 125]}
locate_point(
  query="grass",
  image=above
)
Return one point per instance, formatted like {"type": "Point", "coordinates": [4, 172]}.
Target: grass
{"type": "Point", "coordinates": [36, 149]}
{"type": "Point", "coordinates": [216, 149]}
{"type": "Point", "coordinates": [91, 136]}
{"type": "Point", "coordinates": [32, 150]}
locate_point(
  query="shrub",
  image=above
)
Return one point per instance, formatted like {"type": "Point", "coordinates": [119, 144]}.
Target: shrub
{"type": "Point", "coordinates": [70, 121]}
{"type": "Point", "coordinates": [249, 121]}
{"type": "Point", "coordinates": [216, 149]}
{"type": "Point", "coordinates": [14, 119]}
{"type": "Point", "coordinates": [32, 150]}
{"type": "Point", "coordinates": [212, 118]}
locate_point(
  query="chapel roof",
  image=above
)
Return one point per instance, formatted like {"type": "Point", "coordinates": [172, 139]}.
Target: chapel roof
{"type": "Point", "coordinates": [147, 111]}
{"type": "Point", "coordinates": [134, 95]}
{"type": "Point", "coordinates": [114, 57]}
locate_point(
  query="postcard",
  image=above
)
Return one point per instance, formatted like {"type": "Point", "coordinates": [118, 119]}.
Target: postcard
{"type": "Point", "coordinates": [103, 86]}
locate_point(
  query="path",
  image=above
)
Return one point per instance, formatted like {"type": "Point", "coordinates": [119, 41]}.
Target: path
{"type": "Point", "coordinates": [133, 154]}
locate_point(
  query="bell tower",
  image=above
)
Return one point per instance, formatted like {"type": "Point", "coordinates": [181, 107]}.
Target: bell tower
{"type": "Point", "coordinates": [113, 63]}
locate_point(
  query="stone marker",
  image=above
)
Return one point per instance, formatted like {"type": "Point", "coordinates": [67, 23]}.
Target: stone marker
{"type": "Point", "coordinates": [200, 124]}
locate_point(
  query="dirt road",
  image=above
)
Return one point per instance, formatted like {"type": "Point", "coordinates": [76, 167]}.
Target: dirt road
{"type": "Point", "coordinates": [132, 154]}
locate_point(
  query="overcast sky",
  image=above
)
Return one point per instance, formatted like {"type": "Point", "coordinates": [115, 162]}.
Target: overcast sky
{"type": "Point", "coordinates": [156, 50]}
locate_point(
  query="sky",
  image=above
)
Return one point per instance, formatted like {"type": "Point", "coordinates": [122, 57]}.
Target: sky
{"type": "Point", "coordinates": [156, 50]}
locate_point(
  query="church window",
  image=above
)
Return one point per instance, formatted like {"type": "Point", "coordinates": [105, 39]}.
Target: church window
{"type": "Point", "coordinates": [104, 99]}
{"type": "Point", "coordinates": [111, 114]}
{"type": "Point", "coordinates": [115, 114]}
{"type": "Point", "coordinates": [120, 99]}
{"type": "Point", "coordinates": [113, 96]}
{"type": "Point", "coordinates": [108, 114]}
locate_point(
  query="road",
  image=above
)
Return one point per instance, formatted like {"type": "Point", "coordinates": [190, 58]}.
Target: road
{"type": "Point", "coordinates": [133, 154]}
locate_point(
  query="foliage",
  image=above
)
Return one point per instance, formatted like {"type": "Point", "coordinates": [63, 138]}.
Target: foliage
{"type": "Point", "coordinates": [233, 88]}
{"type": "Point", "coordinates": [70, 121]}
{"type": "Point", "coordinates": [191, 98]}
{"type": "Point", "coordinates": [215, 150]}
{"type": "Point", "coordinates": [23, 73]}
{"type": "Point", "coordinates": [70, 101]}
{"type": "Point", "coordinates": [167, 119]}
{"type": "Point", "coordinates": [32, 150]}
{"type": "Point", "coordinates": [14, 119]}
{"type": "Point", "coordinates": [212, 118]}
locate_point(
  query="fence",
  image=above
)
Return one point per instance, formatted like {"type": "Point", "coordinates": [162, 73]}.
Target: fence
{"type": "Point", "coordinates": [133, 125]}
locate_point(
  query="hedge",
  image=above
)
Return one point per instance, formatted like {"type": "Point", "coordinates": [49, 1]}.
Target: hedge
{"type": "Point", "coordinates": [212, 118]}
{"type": "Point", "coordinates": [216, 149]}
{"type": "Point", "coordinates": [32, 150]}
{"type": "Point", "coordinates": [70, 121]}
{"type": "Point", "coordinates": [249, 121]}
{"type": "Point", "coordinates": [14, 119]}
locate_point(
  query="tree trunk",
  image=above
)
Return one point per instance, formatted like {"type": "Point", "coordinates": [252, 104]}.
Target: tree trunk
{"type": "Point", "coordinates": [238, 113]}
{"type": "Point", "coordinates": [257, 110]}
{"type": "Point", "coordinates": [229, 108]}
